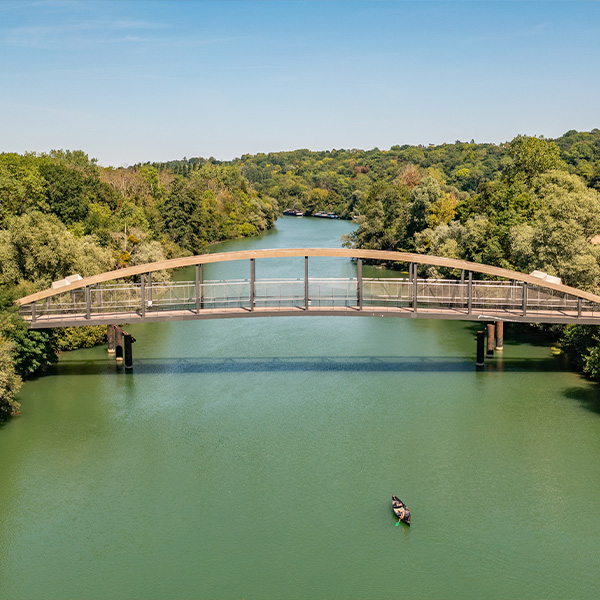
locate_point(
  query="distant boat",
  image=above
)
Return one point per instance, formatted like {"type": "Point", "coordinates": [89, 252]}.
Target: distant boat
{"type": "Point", "coordinates": [293, 212]}
{"type": "Point", "coordinates": [325, 215]}
{"type": "Point", "coordinates": [400, 510]}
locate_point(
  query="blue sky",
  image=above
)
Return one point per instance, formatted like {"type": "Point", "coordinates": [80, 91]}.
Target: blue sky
{"type": "Point", "coordinates": [140, 81]}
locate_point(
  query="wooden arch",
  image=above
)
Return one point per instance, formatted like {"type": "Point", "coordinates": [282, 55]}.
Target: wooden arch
{"type": "Point", "coordinates": [402, 257]}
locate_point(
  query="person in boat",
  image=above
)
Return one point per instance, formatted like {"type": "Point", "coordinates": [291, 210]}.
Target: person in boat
{"type": "Point", "coordinates": [401, 513]}
{"type": "Point", "coordinates": [397, 503]}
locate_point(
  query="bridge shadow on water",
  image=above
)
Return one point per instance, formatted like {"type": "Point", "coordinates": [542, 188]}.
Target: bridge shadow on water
{"type": "Point", "coordinates": [316, 364]}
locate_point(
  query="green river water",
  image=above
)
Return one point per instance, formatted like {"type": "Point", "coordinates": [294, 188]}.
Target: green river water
{"type": "Point", "coordinates": [256, 458]}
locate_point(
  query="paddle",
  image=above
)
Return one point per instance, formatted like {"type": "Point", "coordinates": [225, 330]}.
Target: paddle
{"type": "Point", "coordinates": [398, 523]}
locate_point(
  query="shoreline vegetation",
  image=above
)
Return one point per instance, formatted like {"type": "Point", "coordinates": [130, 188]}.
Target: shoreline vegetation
{"type": "Point", "coordinates": [528, 204]}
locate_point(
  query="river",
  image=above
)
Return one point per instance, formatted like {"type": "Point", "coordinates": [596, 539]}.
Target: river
{"type": "Point", "coordinates": [256, 459]}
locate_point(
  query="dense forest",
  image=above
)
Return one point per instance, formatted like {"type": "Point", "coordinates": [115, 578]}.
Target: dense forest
{"type": "Point", "coordinates": [528, 204]}
{"type": "Point", "coordinates": [60, 213]}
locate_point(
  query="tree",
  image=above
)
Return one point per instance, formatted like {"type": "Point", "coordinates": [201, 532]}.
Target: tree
{"type": "Point", "coordinates": [39, 248]}
{"type": "Point", "coordinates": [533, 156]}
{"type": "Point", "coordinates": [426, 194]}
{"type": "Point", "coordinates": [557, 241]}
{"type": "Point", "coordinates": [10, 382]}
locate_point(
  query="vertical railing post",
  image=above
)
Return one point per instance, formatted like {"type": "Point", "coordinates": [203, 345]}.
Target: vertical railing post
{"type": "Point", "coordinates": [33, 313]}
{"type": "Point", "coordinates": [252, 283]}
{"type": "Point", "coordinates": [99, 296]}
{"type": "Point", "coordinates": [143, 294]}
{"type": "Point", "coordinates": [524, 298]}
{"type": "Point", "coordinates": [359, 284]}
{"type": "Point", "coordinates": [197, 289]}
{"type": "Point", "coordinates": [579, 308]}
{"type": "Point", "coordinates": [306, 300]}
{"type": "Point", "coordinates": [462, 285]}
{"type": "Point", "coordinates": [409, 289]}
{"type": "Point", "coordinates": [470, 293]}
{"type": "Point", "coordinates": [201, 273]}
{"type": "Point", "coordinates": [149, 289]}
{"type": "Point", "coordinates": [88, 303]}
{"type": "Point", "coordinates": [415, 290]}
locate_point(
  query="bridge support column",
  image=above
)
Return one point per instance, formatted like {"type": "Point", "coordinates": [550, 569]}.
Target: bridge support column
{"type": "Point", "coordinates": [128, 339]}
{"type": "Point", "coordinates": [480, 353]}
{"type": "Point", "coordinates": [118, 344]}
{"type": "Point", "coordinates": [491, 342]}
{"type": "Point", "coordinates": [110, 334]}
{"type": "Point", "coordinates": [499, 335]}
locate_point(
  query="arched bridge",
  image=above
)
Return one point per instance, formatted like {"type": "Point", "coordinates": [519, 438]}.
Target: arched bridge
{"type": "Point", "coordinates": [482, 292]}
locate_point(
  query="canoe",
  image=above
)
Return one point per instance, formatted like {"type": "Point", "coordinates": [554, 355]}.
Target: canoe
{"type": "Point", "coordinates": [400, 510]}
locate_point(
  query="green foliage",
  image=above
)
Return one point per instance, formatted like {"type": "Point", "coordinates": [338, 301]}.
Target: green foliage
{"type": "Point", "coordinates": [33, 350]}
{"type": "Point", "coordinates": [39, 248]}
{"type": "Point", "coordinates": [10, 382]}
{"type": "Point", "coordinates": [214, 203]}
{"type": "Point", "coordinates": [382, 217]}
{"type": "Point", "coordinates": [533, 156]}
{"type": "Point", "coordinates": [581, 344]}
{"type": "Point", "coordinates": [72, 338]}
{"type": "Point", "coordinates": [424, 197]}
{"type": "Point", "coordinates": [22, 187]}
{"type": "Point", "coordinates": [557, 240]}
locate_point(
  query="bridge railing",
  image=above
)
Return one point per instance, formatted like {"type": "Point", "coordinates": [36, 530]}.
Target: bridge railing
{"type": "Point", "coordinates": [476, 296]}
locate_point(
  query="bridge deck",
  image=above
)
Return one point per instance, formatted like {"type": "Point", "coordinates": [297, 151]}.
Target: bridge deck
{"type": "Point", "coordinates": [461, 314]}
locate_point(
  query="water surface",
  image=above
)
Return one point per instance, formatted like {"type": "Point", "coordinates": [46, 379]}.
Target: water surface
{"type": "Point", "coordinates": [256, 458]}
